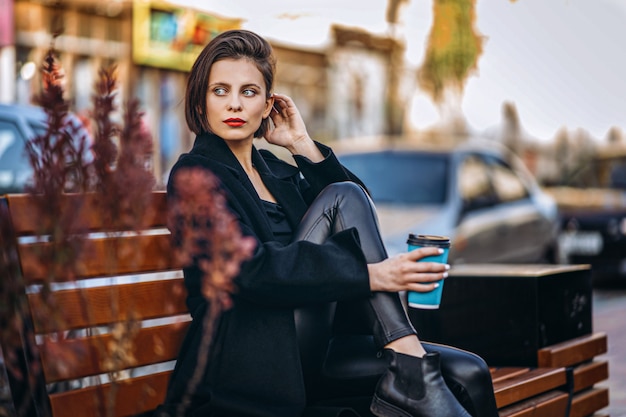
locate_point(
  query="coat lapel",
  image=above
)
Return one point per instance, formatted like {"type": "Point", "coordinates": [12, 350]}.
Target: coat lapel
{"type": "Point", "coordinates": [282, 188]}
{"type": "Point", "coordinates": [234, 178]}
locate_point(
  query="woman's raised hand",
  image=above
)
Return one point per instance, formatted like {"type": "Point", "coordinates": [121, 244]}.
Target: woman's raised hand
{"type": "Point", "coordinates": [289, 129]}
{"type": "Point", "coordinates": [403, 273]}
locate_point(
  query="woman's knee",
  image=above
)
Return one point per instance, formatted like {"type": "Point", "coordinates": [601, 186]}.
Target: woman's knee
{"type": "Point", "coordinates": [469, 379]}
{"type": "Point", "coordinates": [350, 197]}
{"type": "Point", "coordinates": [461, 365]}
{"type": "Point", "coordinates": [347, 189]}
{"type": "Point", "coordinates": [346, 205]}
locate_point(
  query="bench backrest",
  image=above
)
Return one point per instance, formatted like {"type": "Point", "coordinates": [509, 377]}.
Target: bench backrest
{"type": "Point", "coordinates": [108, 342]}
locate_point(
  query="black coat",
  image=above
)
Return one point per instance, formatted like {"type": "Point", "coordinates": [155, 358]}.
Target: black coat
{"type": "Point", "coordinates": [254, 368]}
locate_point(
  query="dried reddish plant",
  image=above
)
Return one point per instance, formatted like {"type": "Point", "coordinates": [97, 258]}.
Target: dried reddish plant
{"type": "Point", "coordinates": [205, 234]}
{"type": "Point", "coordinates": [120, 181]}
{"type": "Point", "coordinates": [104, 129]}
{"type": "Point", "coordinates": [124, 181]}
{"type": "Point", "coordinates": [60, 157]}
{"type": "Point", "coordinates": [118, 176]}
{"type": "Point", "coordinates": [123, 184]}
{"type": "Point", "coordinates": [13, 310]}
{"type": "Point", "coordinates": [61, 165]}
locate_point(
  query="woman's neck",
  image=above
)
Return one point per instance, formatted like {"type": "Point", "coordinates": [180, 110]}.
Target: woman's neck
{"type": "Point", "coordinates": [243, 152]}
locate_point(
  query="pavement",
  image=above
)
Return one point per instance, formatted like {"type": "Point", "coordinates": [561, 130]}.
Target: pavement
{"type": "Point", "coordinates": [609, 316]}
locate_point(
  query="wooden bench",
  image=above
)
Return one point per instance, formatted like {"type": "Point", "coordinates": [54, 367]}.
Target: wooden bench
{"type": "Point", "coordinates": [564, 383]}
{"type": "Point", "coordinates": [129, 278]}
{"type": "Point", "coordinates": [127, 302]}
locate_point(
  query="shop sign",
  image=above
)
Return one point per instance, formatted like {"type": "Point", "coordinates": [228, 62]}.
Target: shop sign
{"type": "Point", "coordinates": [171, 36]}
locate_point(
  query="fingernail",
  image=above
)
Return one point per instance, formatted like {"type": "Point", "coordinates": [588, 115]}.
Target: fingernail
{"type": "Point", "coordinates": [445, 275]}
{"type": "Point", "coordinates": [447, 267]}
{"type": "Point", "coordinates": [440, 250]}
{"type": "Point", "coordinates": [436, 285]}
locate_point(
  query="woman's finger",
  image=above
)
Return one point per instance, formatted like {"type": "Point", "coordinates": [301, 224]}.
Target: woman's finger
{"type": "Point", "coordinates": [428, 267]}
{"type": "Point", "coordinates": [425, 287]}
{"type": "Point", "coordinates": [425, 277]}
{"type": "Point", "coordinates": [287, 106]}
{"type": "Point", "coordinates": [419, 253]}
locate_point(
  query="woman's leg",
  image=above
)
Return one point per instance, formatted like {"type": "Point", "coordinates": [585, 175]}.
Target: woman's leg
{"type": "Point", "coordinates": [346, 205]}
{"type": "Point", "coordinates": [468, 377]}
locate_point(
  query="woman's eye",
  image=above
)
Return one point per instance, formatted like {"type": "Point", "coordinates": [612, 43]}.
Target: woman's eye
{"type": "Point", "coordinates": [249, 93]}
{"type": "Point", "coordinates": [219, 91]}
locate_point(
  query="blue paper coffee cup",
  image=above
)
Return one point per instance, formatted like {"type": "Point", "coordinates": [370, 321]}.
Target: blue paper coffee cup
{"type": "Point", "coordinates": [431, 299]}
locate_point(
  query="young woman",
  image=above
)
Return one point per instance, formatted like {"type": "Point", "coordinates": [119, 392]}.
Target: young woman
{"type": "Point", "coordinates": [317, 243]}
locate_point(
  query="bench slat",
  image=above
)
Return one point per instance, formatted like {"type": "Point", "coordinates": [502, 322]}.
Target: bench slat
{"type": "Point", "coordinates": [588, 402]}
{"type": "Point", "coordinates": [151, 345]}
{"type": "Point", "coordinates": [503, 373]}
{"type": "Point", "coordinates": [27, 221]}
{"type": "Point", "coordinates": [533, 382]}
{"type": "Point", "coordinates": [134, 396]}
{"type": "Point", "coordinates": [90, 307]}
{"type": "Point", "coordinates": [574, 351]}
{"type": "Point", "coordinates": [551, 404]}
{"type": "Point", "coordinates": [587, 375]}
{"type": "Point", "coordinates": [105, 257]}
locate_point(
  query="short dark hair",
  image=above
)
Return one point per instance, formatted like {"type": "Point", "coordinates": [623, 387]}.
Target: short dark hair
{"type": "Point", "coordinates": [232, 44]}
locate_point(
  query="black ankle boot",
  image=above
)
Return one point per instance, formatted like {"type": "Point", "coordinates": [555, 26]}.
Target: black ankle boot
{"type": "Point", "coordinates": [414, 387]}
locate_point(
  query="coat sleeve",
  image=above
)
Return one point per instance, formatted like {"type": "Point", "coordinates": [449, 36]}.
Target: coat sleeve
{"type": "Point", "coordinates": [304, 273]}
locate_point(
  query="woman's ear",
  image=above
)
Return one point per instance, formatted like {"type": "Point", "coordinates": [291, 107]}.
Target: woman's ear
{"type": "Point", "coordinates": [269, 103]}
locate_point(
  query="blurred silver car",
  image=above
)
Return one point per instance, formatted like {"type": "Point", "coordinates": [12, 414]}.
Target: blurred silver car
{"type": "Point", "coordinates": [20, 123]}
{"type": "Point", "coordinates": [477, 193]}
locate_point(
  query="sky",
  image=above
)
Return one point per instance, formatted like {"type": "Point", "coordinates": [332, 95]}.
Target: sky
{"type": "Point", "coordinates": [559, 61]}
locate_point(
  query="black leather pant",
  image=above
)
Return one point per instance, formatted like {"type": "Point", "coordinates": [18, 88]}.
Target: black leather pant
{"type": "Point", "coordinates": [345, 205]}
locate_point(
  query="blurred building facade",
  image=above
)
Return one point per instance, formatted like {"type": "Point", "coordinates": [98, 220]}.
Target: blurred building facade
{"type": "Point", "coordinates": [347, 88]}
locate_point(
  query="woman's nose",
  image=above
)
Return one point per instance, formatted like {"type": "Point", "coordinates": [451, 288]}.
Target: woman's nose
{"type": "Point", "coordinates": [234, 104]}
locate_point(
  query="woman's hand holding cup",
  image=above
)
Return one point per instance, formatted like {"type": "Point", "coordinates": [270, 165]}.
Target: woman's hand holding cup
{"type": "Point", "coordinates": [406, 272]}
{"type": "Point", "coordinates": [429, 299]}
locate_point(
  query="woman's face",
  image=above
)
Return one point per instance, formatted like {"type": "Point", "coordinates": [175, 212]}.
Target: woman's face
{"type": "Point", "coordinates": [236, 100]}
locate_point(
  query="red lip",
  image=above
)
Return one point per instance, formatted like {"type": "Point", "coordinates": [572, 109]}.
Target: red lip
{"type": "Point", "coordinates": [234, 122]}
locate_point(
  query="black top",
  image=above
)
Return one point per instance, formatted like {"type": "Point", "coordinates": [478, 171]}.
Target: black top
{"type": "Point", "coordinates": [278, 222]}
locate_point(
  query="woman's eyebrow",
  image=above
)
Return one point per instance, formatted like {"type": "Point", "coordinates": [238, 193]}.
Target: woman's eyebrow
{"type": "Point", "coordinates": [229, 85]}
{"type": "Point", "coordinates": [251, 85]}
{"type": "Point", "coordinates": [219, 83]}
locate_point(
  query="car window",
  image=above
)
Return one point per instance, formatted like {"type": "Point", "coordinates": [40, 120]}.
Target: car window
{"type": "Point", "coordinates": [71, 126]}
{"type": "Point", "coordinates": [16, 124]}
{"type": "Point", "coordinates": [14, 165]}
{"type": "Point", "coordinates": [8, 135]}
{"type": "Point", "coordinates": [401, 177]}
{"type": "Point", "coordinates": [506, 183]}
{"type": "Point", "coordinates": [12, 154]}
{"type": "Point", "coordinates": [38, 128]}
{"type": "Point", "coordinates": [474, 183]}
